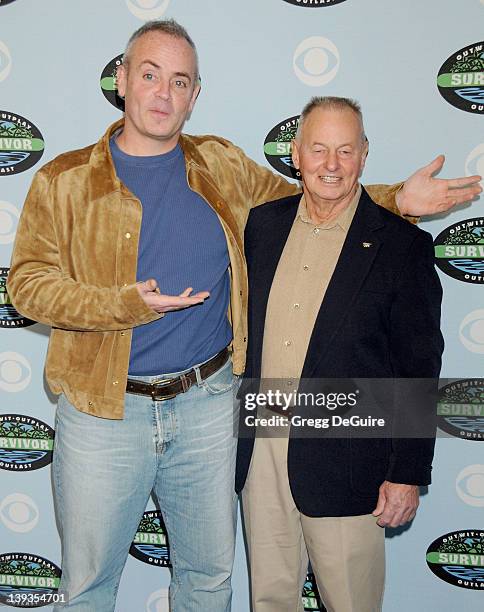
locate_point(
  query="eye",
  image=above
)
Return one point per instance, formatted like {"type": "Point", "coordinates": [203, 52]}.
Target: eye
{"type": "Point", "coordinates": [316, 61]}
{"type": "Point", "coordinates": [9, 216]}
{"type": "Point", "coordinates": [475, 161]}
{"type": "Point", "coordinates": [469, 485]}
{"type": "Point", "coordinates": [148, 76]}
{"type": "Point", "coordinates": [345, 152]}
{"type": "Point", "coordinates": [15, 372]}
{"type": "Point", "coordinates": [19, 513]}
{"type": "Point", "coordinates": [5, 61]}
{"type": "Point", "coordinates": [180, 84]}
{"type": "Point", "coordinates": [471, 331]}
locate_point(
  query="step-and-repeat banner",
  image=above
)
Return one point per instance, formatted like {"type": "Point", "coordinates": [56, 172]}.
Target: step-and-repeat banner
{"type": "Point", "coordinates": [418, 70]}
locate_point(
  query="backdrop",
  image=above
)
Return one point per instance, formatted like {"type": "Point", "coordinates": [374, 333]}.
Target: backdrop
{"type": "Point", "coordinates": [417, 69]}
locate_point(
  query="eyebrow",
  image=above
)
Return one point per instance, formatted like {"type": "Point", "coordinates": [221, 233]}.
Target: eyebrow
{"type": "Point", "coordinates": [321, 144]}
{"type": "Point", "coordinates": [177, 74]}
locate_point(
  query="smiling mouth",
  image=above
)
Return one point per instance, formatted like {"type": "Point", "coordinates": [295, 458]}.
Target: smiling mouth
{"type": "Point", "coordinates": [330, 179]}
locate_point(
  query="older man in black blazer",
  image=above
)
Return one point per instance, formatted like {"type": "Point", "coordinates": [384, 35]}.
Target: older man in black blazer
{"type": "Point", "coordinates": [338, 288]}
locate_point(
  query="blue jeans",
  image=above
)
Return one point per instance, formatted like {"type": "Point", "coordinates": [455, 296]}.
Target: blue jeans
{"type": "Point", "coordinates": [104, 471]}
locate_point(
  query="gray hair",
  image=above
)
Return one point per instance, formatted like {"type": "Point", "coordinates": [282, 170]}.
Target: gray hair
{"type": "Point", "coordinates": [164, 26]}
{"type": "Point", "coordinates": [331, 103]}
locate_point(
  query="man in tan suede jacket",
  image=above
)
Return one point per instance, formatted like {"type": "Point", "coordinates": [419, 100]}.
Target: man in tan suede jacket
{"type": "Point", "coordinates": [146, 222]}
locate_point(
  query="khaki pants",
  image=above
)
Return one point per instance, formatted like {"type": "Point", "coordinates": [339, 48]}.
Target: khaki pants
{"type": "Point", "coordinates": [347, 553]}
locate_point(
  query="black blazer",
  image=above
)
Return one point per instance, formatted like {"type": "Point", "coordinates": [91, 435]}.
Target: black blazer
{"type": "Point", "coordinates": [380, 318]}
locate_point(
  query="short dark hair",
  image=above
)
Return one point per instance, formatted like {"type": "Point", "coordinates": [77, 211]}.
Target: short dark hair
{"type": "Point", "coordinates": [331, 103]}
{"type": "Point", "coordinates": [165, 26]}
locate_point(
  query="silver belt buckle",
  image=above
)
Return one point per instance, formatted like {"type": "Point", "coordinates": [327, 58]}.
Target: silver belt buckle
{"type": "Point", "coordinates": [160, 385]}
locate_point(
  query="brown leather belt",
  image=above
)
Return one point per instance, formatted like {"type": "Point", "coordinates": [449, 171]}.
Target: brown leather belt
{"type": "Point", "coordinates": [171, 387]}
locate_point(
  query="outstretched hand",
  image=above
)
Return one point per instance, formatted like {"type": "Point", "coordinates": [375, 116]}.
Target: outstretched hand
{"type": "Point", "coordinates": [423, 194]}
{"type": "Point", "coordinates": [159, 302]}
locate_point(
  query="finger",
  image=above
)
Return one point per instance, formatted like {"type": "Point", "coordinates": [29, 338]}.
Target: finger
{"type": "Point", "coordinates": [380, 506]}
{"type": "Point", "coordinates": [151, 284]}
{"type": "Point", "coordinates": [186, 292]}
{"type": "Point", "coordinates": [435, 165]}
{"type": "Point", "coordinates": [183, 301]}
{"type": "Point", "coordinates": [407, 516]}
{"type": "Point", "coordinates": [202, 294]}
{"type": "Point", "coordinates": [463, 181]}
{"type": "Point", "coordinates": [168, 303]}
{"type": "Point", "coordinates": [459, 196]}
{"type": "Point", "coordinates": [392, 518]}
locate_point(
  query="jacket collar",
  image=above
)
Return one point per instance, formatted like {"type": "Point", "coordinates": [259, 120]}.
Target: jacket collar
{"type": "Point", "coordinates": [104, 179]}
{"type": "Point", "coordinates": [354, 264]}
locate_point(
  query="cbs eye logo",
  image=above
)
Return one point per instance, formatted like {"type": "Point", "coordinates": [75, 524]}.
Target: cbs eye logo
{"type": "Point", "coordinates": [469, 485]}
{"type": "Point", "coordinates": [5, 61]}
{"type": "Point", "coordinates": [147, 9]}
{"type": "Point", "coordinates": [158, 601]}
{"type": "Point", "coordinates": [471, 331]}
{"type": "Point", "coordinates": [9, 216]}
{"type": "Point", "coordinates": [19, 513]}
{"type": "Point", "coordinates": [316, 61]}
{"type": "Point", "coordinates": [15, 372]}
{"type": "Point", "coordinates": [475, 160]}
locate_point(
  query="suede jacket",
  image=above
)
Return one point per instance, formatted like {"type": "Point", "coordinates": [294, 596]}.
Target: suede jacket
{"type": "Point", "coordinates": [75, 259]}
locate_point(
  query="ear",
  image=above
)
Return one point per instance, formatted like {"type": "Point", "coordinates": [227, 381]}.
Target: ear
{"type": "Point", "coordinates": [121, 77]}
{"type": "Point", "coordinates": [364, 155]}
{"type": "Point", "coordinates": [195, 94]}
{"type": "Point", "coordinates": [295, 154]}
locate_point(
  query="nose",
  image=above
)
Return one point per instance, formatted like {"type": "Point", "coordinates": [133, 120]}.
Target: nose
{"type": "Point", "coordinates": [163, 89]}
{"type": "Point", "coordinates": [331, 160]}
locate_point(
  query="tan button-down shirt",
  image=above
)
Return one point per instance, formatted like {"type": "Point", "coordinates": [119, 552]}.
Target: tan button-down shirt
{"type": "Point", "coordinates": [302, 277]}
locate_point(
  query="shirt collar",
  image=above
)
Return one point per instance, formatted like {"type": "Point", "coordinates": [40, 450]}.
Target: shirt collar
{"type": "Point", "coordinates": [343, 220]}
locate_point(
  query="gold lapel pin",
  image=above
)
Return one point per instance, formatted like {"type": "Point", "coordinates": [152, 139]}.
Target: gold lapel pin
{"type": "Point", "coordinates": [367, 245]}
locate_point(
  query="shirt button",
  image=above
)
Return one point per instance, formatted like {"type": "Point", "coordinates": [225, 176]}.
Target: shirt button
{"type": "Point", "coordinates": [288, 343]}
{"type": "Point", "coordinates": [90, 404]}
{"type": "Point", "coordinates": [289, 383]}
{"type": "Point", "coordinates": [115, 382]}
{"type": "Point", "coordinates": [128, 235]}
{"type": "Point", "coordinates": [316, 230]}
{"type": "Point", "coordinates": [296, 305]}
{"type": "Point", "coordinates": [125, 284]}
{"type": "Point", "coordinates": [306, 268]}
{"type": "Point", "coordinates": [123, 334]}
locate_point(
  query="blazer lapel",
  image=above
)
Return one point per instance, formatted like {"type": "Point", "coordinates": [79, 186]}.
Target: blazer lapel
{"type": "Point", "coordinates": [355, 261]}
{"type": "Point", "coordinates": [263, 266]}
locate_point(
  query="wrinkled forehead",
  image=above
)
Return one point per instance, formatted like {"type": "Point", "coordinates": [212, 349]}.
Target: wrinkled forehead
{"type": "Point", "coordinates": [340, 124]}
{"type": "Point", "coordinates": [164, 49]}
